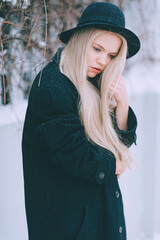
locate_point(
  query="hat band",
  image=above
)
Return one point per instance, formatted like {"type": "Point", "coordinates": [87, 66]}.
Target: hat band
{"type": "Point", "coordinates": [109, 21]}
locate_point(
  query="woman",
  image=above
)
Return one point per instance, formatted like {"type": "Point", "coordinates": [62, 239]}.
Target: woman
{"type": "Point", "coordinates": [77, 131]}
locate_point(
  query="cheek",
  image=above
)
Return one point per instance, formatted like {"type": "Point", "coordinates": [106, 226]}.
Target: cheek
{"type": "Point", "coordinates": [91, 58]}
{"type": "Point", "coordinates": [108, 60]}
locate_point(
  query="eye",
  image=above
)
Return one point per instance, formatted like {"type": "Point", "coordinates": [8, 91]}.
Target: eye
{"type": "Point", "coordinates": [96, 49]}
{"type": "Point", "coordinates": [112, 56]}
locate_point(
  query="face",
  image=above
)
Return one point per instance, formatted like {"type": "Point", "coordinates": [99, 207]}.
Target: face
{"type": "Point", "coordinates": [104, 48]}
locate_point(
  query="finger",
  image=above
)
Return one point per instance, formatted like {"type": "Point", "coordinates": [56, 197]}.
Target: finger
{"type": "Point", "coordinates": [119, 79]}
{"type": "Point", "coordinates": [116, 81]}
{"type": "Point", "coordinates": [118, 176]}
{"type": "Point", "coordinates": [114, 90]}
{"type": "Point", "coordinates": [115, 84]}
{"type": "Point", "coordinates": [118, 86]}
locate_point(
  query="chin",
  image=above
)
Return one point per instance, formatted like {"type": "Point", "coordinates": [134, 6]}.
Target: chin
{"type": "Point", "coordinates": [91, 75]}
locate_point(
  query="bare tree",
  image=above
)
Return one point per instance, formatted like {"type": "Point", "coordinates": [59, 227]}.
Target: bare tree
{"type": "Point", "coordinates": [28, 38]}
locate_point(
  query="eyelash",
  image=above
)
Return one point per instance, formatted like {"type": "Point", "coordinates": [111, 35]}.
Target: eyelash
{"type": "Point", "coordinates": [96, 49]}
{"type": "Point", "coordinates": [111, 56]}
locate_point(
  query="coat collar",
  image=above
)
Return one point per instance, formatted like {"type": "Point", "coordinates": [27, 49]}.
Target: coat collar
{"type": "Point", "coordinates": [56, 58]}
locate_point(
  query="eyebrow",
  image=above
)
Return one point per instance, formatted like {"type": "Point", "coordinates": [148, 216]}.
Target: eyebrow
{"type": "Point", "coordinates": [104, 48]}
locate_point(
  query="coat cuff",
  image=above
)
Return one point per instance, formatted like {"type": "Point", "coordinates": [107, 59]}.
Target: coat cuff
{"type": "Point", "coordinates": [129, 136]}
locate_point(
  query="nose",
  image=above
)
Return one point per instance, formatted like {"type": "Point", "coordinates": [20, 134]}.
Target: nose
{"type": "Point", "coordinates": [103, 60]}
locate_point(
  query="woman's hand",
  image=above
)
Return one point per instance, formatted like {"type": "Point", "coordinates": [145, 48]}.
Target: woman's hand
{"type": "Point", "coordinates": [119, 90]}
{"type": "Point", "coordinates": [120, 168]}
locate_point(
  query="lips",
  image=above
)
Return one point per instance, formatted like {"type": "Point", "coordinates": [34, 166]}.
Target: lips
{"type": "Point", "coordinates": [97, 70]}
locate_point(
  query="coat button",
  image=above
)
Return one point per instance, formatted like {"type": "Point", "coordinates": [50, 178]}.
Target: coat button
{"type": "Point", "coordinates": [120, 229]}
{"type": "Point", "coordinates": [117, 194]}
{"type": "Point", "coordinates": [101, 175]}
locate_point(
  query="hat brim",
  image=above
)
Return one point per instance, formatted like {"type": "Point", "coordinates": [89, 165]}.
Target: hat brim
{"type": "Point", "coordinates": [133, 41]}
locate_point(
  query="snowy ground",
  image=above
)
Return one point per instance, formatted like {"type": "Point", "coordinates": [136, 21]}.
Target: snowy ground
{"type": "Point", "coordinates": [12, 113]}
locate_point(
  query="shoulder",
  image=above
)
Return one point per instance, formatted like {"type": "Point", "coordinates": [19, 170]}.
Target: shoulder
{"type": "Point", "coordinates": [52, 92]}
{"type": "Point", "coordinates": [51, 77]}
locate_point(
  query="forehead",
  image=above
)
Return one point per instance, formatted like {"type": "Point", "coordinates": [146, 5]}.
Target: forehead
{"type": "Point", "coordinates": [108, 40]}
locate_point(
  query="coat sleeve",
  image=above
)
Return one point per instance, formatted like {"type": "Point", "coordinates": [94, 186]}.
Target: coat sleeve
{"type": "Point", "coordinates": [129, 136]}
{"type": "Point", "coordinates": [58, 130]}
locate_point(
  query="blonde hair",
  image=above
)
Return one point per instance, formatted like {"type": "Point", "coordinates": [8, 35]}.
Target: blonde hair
{"type": "Point", "coordinates": [95, 106]}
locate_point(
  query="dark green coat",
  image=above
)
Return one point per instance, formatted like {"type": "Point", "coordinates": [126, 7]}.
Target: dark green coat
{"type": "Point", "coordinates": [71, 190]}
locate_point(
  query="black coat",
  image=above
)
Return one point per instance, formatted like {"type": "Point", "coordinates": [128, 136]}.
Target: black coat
{"type": "Point", "coordinates": [71, 190]}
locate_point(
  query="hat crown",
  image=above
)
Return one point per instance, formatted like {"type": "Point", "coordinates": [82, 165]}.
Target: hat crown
{"type": "Point", "coordinates": [103, 12]}
{"type": "Point", "coordinates": [105, 16]}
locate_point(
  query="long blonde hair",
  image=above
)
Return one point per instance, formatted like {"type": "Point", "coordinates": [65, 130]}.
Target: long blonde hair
{"type": "Point", "coordinates": [96, 106]}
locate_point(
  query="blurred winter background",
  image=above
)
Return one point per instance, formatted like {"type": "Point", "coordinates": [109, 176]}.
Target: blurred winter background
{"type": "Point", "coordinates": [28, 31]}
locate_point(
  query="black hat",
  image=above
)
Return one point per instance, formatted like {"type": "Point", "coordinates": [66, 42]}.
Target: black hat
{"type": "Point", "coordinates": [105, 16]}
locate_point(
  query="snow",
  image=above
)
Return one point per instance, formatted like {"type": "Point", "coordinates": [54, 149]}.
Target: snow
{"type": "Point", "coordinates": [12, 1]}
{"type": "Point", "coordinates": [4, 52]}
{"type": "Point", "coordinates": [26, 3]}
{"type": "Point", "coordinates": [143, 237]}
{"type": "Point", "coordinates": [1, 20]}
{"type": "Point", "coordinates": [13, 113]}
{"type": "Point", "coordinates": [13, 32]}
{"type": "Point", "coordinates": [42, 43]}
{"type": "Point", "coordinates": [144, 78]}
